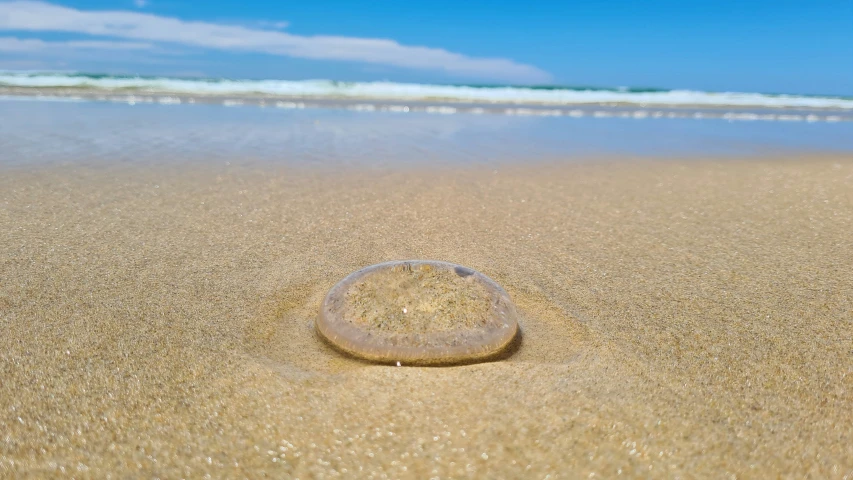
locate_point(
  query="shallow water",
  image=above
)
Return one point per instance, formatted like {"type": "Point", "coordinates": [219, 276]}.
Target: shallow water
{"type": "Point", "coordinates": [35, 132]}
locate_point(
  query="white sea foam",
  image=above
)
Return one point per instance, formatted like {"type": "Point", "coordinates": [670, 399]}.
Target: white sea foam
{"type": "Point", "coordinates": [326, 89]}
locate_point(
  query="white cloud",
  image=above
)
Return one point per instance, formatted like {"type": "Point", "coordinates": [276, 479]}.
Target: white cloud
{"type": "Point", "coordinates": [28, 45]}
{"type": "Point", "coordinates": [46, 17]}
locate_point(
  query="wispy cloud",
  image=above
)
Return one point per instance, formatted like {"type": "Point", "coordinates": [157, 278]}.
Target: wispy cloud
{"type": "Point", "coordinates": [140, 3]}
{"type": "Point", "coordinates": [46, 17]}
{"type": "Point", "coordinates": [28, 45]}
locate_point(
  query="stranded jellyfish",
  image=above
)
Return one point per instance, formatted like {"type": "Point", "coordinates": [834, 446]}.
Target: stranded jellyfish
{"type": "Point", "coordinates": [418, 312]}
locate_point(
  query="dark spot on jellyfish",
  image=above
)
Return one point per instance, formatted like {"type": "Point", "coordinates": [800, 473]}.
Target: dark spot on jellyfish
{"type": "Point", "coordinates": [419, 312]}
{"type": "Point", "coordinates": [463, 272]}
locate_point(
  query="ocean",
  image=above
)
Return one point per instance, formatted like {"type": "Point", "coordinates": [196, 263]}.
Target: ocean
{"type": "Point", "coordinates": [571, 101]}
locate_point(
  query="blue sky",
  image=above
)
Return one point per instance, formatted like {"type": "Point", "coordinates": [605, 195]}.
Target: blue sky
{"type": "Point", "coordinates": [760, 45]}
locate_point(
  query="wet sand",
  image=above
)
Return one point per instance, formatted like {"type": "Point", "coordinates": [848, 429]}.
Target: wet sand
{"type": "Point", "coordinates": [689, 319]}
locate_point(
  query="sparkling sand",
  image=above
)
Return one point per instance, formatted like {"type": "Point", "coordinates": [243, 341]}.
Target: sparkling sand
{"type": "Point", "coordinates": [689, 319]}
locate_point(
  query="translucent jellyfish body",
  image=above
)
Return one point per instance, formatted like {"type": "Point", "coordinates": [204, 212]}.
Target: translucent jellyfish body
{"type": "Point", "coordinates": [418, 313]}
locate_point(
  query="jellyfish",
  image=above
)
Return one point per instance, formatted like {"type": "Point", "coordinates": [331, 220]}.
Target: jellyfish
{"type": "Point", "coordinates": [418, 312]}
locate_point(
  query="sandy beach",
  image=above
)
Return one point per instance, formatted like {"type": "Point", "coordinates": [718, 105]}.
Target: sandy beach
{"type": "Point", "coordinates": [679, 318]}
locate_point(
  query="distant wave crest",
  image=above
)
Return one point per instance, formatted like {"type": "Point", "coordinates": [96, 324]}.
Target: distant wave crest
{"type": "Point", "coordinates": [328, 89]}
